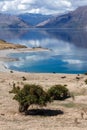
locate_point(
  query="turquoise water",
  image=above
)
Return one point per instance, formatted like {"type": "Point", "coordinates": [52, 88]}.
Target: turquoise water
{"type": "Point", "coordinates": [67, 50]}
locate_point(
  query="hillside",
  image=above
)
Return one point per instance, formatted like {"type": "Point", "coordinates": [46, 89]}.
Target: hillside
{"type": "Point", "coordinates": [12, 21]}
{"type": "Point", "coordinates": [74, 19]}
{"type": "Point", "coordinates": [6, 45]}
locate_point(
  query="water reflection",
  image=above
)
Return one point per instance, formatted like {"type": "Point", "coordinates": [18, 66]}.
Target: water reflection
{"type": "Point", "coordinates": [67, 50]}
{"type": "Point", "coordinates": [76, 37]}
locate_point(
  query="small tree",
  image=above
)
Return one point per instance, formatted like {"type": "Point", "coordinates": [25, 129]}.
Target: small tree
{"type": "Point", "coordinates": [58, 92]}
{"type": "Point", "coordinates": [30, 94]}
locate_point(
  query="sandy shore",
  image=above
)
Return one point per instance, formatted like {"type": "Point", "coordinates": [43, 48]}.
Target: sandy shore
{"type": "Point", "coordinates": [71, 109]}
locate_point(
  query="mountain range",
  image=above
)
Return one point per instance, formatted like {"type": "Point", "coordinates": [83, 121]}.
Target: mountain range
{"type": "Point", "coordinates": [12, 21]}
{"type": "Point", "coordinates": [76, 19]}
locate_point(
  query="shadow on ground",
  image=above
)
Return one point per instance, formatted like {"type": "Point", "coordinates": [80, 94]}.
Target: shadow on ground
{"type": "Point", "coordinates": [43, 112]}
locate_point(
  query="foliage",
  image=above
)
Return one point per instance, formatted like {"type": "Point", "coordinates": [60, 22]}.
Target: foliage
{"type": "Point", "coordinates": [24, 78]}
{"type": "Point", "coordinates": [85, 73]}
{"type": "Point", "coordinates": [30, 94]}
{"type": "Point", "coordinates": [86, 81]}
{"type": "Point", "coordinates": [11, 71]}
{"type": "Point", "coordinates": [34, 94]}
{"type": "Point", "coordinates": [15, 90]}
{"type": "Point", "coordinates": [58, 92]}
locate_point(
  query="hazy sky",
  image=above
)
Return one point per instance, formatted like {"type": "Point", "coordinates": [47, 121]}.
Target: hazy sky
{"type": "Point", "coordinates": [40, 6]}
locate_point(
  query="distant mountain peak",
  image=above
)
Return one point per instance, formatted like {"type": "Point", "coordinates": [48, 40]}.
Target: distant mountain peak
{"type": "Point", "coordinates": [74, 19]}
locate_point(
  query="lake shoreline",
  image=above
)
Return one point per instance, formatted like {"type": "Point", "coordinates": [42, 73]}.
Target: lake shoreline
{"type": "Point", "coordinates": [4, 55]}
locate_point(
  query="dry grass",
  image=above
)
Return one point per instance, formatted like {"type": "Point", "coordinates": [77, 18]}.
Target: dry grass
{"type": "Point", "coordinates": [5, 45]}
{"type": "Point", "coordinates": [74, 111]}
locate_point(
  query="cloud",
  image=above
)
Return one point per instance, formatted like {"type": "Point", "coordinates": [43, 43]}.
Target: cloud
{"type": "Point", "coordinates": [4, 0]}
{"type": "Point", "coordinates": [38, 6]}
{"type": "Point", "coordinates": [71, 61]}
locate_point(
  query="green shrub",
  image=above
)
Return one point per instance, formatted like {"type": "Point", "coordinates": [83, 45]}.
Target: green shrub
{"type": "Point", "coordinates": [85, 73]}
{"type": "Point", "coordinates": [58, 92]}
{"type": "Point", "coordinates": [30, 94]}
{"type": "Point", "coordinates": [11, 71]}
{"type": "Point", "coordinates": [24, 78]}
{"type": "Point", "coordinates": [86, 81]}
{"type": "Point", "coordinates": [15, 90]}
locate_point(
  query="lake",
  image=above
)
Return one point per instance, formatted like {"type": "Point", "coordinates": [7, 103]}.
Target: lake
{"type": "Point", "coordinates": [67, 50]}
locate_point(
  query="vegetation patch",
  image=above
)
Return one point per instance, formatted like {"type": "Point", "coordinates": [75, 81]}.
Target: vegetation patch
{"type": "Point", "coordinates": [58, 92]}
{"type": "Point", "coordinates": [85, 73]}
{"type": "Point", "coordinates": [86, 81]}
{"type": "Point", "coordinates": [32, 94]}
{"type": "Point", "coordinates": [24, 78]}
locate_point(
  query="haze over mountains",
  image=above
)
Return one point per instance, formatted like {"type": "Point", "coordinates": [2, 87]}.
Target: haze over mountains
{"type": "Point", "coordinates": [74, 19]}
{"type": "Point", "coordinates": [34, 19]}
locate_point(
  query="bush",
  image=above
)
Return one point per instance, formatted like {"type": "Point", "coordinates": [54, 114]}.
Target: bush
{"type": "Point", "coordinates": [11, 71]}
{"type": "Point", "coordinates": [30, 94]}
{"type": "Point", "coordinates": [86, 81]}
{"type": "Point", "coordinates": [58, 92]}
{"type": "Point", "coordinates": [24, 78]}
{"type": "Point", "coordinates": [85, 73]}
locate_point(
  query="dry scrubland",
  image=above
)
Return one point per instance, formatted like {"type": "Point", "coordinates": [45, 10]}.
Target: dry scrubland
{"type": "Point", "coordinates": [59, 115]}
